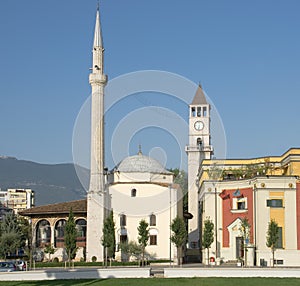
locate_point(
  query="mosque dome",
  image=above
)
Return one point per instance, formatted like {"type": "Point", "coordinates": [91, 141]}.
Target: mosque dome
{"type": "Point", "coordinates": [141, 163]}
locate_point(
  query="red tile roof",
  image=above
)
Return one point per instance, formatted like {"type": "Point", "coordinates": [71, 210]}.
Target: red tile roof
{"type": "Point", "coordinates": [79, 206]}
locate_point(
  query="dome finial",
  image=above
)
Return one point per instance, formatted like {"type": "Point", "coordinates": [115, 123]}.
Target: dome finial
{"type": "Point", "coordinates": [140, 150]}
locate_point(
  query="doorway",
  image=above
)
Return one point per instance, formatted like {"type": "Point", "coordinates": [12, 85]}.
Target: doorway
{"type": "Point", "coordinates": [239, 242]}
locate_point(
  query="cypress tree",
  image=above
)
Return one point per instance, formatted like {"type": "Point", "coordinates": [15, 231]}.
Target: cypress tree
{"type": "Point", "coordinates": [70, 236]}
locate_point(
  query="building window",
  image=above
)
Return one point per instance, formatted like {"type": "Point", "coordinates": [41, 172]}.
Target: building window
{"type": "Point", "coordinates": [275, 203]}
{"type": "Point", "coordinates": [279, 242]}
{"type": "Point", "coordinates": [199, 142]}
{"type": "Point", "coordinates": [122, 220]}
{"type": "Point", "coordinates": [278, 261]}
{"type": "Point", "coordinates": [193, 111]}
{"type": "Point", "coordinates": [123, 238]}
{"type": "Point", "coordinates": [153, 239]}
{"type": "Point", "coordinates": [133, 193]}
{"type": "Point", "coordinates": [152, 220]}
{"type": "Point", "coordinates": [241, 205]}
{"type": "Point", "coordinates": [198, 111]}
{"type": "Point", "coordinates": [204, 111]}
{"type": "Point", "coordinates": [59, 238]}
{"type": "Point", "coordinates": [81, 232]}
{"type": "Point", "coordinates": [43, 233]}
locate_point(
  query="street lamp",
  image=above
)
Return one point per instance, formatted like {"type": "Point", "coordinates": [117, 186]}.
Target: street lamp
{"type": "Point", "coordinates": [170, 218]}
{"type": "Point", "coordinates": [216, 222]}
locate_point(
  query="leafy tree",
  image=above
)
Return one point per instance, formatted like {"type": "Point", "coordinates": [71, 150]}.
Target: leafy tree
{"type": "Point", "coordinates": [272, 237]}
{"type": "Point", "coordinates": [26, 235]}
{"type": "Point", "coordinates": [143, 231]}
{"type": "Point", "coordinates": [49, 249]}
{"type": "Point", "coordinates": [245, 232]}
{"type": "Point", "coordinates": [11, 235]}
{"type": "Point", "coordinates": [180, 178]}
{"type": "Point", "coordinates": [70, 236]}
{"type": "Point", "coordinates": [109, 239]}
{"type": "Point", "coordinates": [215, 172]}
{"type": "Point", "coordinates": [208, 235]}
{"type": "Point", "coordinates": [131, 249]}
{"type": "Point", "coordinates": [179, 235]}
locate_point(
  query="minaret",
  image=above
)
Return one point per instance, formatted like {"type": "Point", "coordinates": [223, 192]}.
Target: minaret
{"type": "Point", "coordinates": [199, 148]}
{"type": "Point", "coordinates": [96, 194]}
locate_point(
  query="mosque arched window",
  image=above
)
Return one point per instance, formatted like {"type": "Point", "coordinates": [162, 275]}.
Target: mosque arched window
{"type": "Point", "coordinates": [43, 233]}
{"type": "Point", "coordinates": [133, 193]}
{"type": "Point", "coordinates": [59, 233]}
{"type": "Point", "coordinates": [81, 232]}
{"type": "Point", "coordinates": [152, 220]}
{"type": "Point", "coordinates": [81, 227]}
{"type": "Point", "coordinates": [122, 220]}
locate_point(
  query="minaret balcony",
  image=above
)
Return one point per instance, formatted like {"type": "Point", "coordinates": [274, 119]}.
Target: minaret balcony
{"type": "Point", "coordinates": [96, 78]}
{"type": "Point", "coordinates": [199, 148]}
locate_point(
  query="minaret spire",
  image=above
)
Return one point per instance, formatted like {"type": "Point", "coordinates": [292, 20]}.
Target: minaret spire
{"type": "Point", "coordinates": [97, 33]}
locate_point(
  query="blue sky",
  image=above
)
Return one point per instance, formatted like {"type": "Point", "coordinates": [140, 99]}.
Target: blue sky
{"type": "Point", "coordinates": [245, 54]}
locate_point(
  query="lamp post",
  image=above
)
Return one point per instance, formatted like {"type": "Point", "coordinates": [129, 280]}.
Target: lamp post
{"type": "Point", "coordinates": [216, 222]}
{"type": "Point", "coordinates": [170, 218]}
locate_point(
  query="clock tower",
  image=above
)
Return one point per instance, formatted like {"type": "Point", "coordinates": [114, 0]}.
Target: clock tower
{"type": "Point", "coordinates": [199, 148]}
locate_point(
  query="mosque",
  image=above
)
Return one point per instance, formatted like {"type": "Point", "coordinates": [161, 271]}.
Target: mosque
{"type": "Point", "coordinates": [139, 187]}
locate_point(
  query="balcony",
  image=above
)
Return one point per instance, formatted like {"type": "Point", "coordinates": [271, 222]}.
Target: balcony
{"type": "Point", "coordinates": [199, 148]}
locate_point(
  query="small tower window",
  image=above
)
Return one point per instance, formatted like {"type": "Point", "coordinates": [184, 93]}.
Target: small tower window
{"type": "Point", "coordinates": [193, 111]}
{"type": "Point", "coordinates": [122, 220]}
{"type": "Point", "coordinates": [152, 220]}
{"type": "Point", "coordinates": [204, 111]}
{"type": "Point", "coordinates": [199, 142]}
{"type": "Point", "coordinates": [199, 111]}
{"type": "Point", "coordinates": [133, 193]}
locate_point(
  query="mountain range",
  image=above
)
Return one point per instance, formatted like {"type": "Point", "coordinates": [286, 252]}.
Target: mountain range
{"type": "Point", "coordinates": [52, 183]}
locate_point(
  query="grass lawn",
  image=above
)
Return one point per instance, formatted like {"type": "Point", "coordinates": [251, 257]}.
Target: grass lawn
{"type": "Point", "coordinates": [163, 282]}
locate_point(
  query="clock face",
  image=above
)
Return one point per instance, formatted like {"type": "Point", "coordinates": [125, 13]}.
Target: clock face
{"type": "Point", "coordinates": [199, 125]}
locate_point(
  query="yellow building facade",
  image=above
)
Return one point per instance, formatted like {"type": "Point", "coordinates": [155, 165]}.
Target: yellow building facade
{"type": "Point", "coordinates": [259, 190]}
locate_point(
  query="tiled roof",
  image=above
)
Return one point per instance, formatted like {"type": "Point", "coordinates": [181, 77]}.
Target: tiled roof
{"type": "Point", "coordinates": [199, 97]}
{"type": "Point", "coordinates": [79, 206]}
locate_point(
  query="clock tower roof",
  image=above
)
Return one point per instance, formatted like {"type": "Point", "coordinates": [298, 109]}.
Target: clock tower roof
{"type": "Point", "coordinates": [199, 97]}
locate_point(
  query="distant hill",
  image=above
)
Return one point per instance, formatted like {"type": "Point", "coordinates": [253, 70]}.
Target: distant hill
{"type": "Point", "coordinates": [51, 183]}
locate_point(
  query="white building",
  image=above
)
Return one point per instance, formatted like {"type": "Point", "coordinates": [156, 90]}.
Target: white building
{"type": "Point", "coordinates": [140, 188]}
{"type": "Point", "coordinates": [17, 199]}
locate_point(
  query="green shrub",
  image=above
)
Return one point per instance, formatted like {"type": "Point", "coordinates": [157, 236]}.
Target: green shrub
{"type": "Point", "coordinates": [94, 259]}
